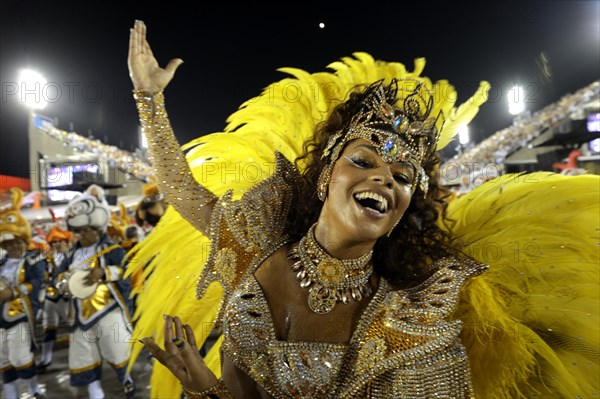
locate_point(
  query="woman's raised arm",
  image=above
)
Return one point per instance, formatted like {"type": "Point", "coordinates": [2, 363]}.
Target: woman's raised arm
{"type": "Point", "coordinates": [173, 174]}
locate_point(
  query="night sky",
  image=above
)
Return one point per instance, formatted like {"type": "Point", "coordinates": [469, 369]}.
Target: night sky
{"type": "Point", "coordinates": [231, 52]}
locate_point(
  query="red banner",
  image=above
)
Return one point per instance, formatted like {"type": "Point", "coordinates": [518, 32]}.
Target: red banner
{"type": "Point", "coordinates": [7, 182]}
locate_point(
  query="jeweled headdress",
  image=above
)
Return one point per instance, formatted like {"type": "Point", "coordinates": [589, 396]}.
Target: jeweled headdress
{"type": "Point", "coordinates": [397, 119]}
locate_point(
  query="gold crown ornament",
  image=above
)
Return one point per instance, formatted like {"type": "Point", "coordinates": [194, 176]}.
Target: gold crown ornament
{"type": "Point", "coordinates": [397, 120]}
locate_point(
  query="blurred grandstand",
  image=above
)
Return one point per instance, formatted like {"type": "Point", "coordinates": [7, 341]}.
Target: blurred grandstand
{"type": "Point", "coordinates": [539, 141]}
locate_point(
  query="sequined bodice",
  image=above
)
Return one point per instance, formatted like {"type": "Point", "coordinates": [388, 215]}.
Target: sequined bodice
{"type": "Point", "coordinates": [300, 369]}
{"type": "Point", "coordinates": [402, 347]}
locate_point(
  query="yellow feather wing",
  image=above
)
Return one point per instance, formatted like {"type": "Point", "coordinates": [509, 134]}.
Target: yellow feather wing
{"type": "Point", "coordinates": [532, 321]}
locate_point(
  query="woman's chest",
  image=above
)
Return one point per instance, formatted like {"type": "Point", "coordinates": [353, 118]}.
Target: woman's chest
{"type": "Point", "coordinates": [287, 304]}
{"type": "Point", "coordinates": [302, 365]}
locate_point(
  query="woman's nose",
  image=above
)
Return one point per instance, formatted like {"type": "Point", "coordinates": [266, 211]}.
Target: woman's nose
{"type": "Point", "coordinates": [384, 175]}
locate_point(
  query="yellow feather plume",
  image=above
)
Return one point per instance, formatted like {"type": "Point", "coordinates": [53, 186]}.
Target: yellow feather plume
{"type": "Point", "coordinates": [532, 325]}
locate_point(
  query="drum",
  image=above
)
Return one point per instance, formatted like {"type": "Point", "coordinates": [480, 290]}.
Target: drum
{"type": "Point", "coordinates": [61, 284]}
{"type": "Point", "coordinates": [77, 287]}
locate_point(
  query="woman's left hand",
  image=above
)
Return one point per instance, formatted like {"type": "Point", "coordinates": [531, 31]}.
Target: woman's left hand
{"type": "Point", "coordinates": [181, 355]}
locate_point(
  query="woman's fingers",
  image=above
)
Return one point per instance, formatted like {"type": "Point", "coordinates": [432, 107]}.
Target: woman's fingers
{"type": "Point", "coordinates": [162, 356]}
{"type": "Point", "coordinates": [142, 27]}
{"type": "Point", "coordinates": [181, 354]}
{"type": "Point", "coordinates": [173, 65]}
{"type": "Point", "coordinates": [173, 363]}
{"type": "Point", "coordinates": [169, 335]}
{"type": "Point", "coordinates": [168, 328]}
{"type": "Point", "coordinates": [191, 338]}
{"type": "Point", "coordinates": [132, 34]}
{"type": "Point", "coordinates": [147, 49]}
{"type": "Point", "coordinates": [144, 70]}
{"type": "Point", "coordinates": [178, 327]}
{"type": "Point", "coordinates": [154, 349]}
{"type": "Point", "coordinates": [183, 334]}
{"type": "Point", "coordinates": [188, 352]}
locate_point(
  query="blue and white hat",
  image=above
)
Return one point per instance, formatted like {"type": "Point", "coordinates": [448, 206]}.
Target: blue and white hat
{"type": "Point", "coordinates": [89, 209]}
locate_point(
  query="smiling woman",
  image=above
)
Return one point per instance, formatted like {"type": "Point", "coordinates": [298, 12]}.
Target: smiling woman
{"type": "Point", "coordinates": [336, 276]}
{"type": "Point", "coordinates": [367, 173]}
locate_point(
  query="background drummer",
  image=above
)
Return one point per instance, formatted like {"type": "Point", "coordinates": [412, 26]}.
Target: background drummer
{"type": "Point", "coordinates": [100, 324]}
{"type": "Point", "coordinates": [56, 305]}
{"type": "Point", "coordinates": [23, 272]}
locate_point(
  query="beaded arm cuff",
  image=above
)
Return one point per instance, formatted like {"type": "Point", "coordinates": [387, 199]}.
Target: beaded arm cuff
{"type": "Point", "coordinates": [217, 391]}
{"type": "Point", "coordinates": [173, 174]}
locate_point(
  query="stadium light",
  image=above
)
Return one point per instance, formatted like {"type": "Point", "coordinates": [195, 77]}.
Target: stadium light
{"type": "Point", "coordinates": [463, 135]}
{"type": "Point", "coordinates": [516, 99]}
{"type": "Point", "coordinates": [32, 86]}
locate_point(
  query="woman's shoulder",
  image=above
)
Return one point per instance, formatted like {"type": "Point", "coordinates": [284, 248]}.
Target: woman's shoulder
{"type": "Point", "coordinates": [258, 218]}
{"type": "Point", "coordinates": [245, 231]}
{"type": "Point", "coordinates": [460, 266]}
{"type": "Point", "coordinates": [438, 294]}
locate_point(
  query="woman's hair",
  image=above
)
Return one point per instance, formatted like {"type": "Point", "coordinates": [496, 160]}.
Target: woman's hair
{"type": "Point", "coordinates": [416, 241]}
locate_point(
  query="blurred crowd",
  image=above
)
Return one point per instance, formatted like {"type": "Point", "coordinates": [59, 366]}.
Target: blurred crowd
{"type": "Point", "coordinates": [69, 276]}
{"type": "Point", "coordinates": [485, 161]}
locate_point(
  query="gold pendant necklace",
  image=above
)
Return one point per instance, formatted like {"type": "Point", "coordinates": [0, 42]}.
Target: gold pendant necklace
{"type": "Point", "coordinates": [329, 280]}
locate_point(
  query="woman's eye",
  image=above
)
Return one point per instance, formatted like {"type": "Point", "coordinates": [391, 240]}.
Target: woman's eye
{"type": "Point", "coordinates": [403, 179]}
{"type": "Point", "coordinates": [359, 162]}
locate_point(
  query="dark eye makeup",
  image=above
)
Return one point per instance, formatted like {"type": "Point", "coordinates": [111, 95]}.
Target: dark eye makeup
{"type": "Point", "coordinates": [402, 174]}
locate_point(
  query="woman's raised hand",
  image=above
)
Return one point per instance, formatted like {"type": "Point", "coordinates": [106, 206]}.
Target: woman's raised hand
{"type": "Point", "coordinates": [181, 355]}
{"type": "Point", "coordinates": [144, 70]}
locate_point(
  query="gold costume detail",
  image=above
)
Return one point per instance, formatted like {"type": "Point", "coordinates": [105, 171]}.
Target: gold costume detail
{"type": "Point", "coordinates": [16, 307]}
{"type": "Point", "coordinates": [20, 303]}
{"type": "Point", "coordinates": [397, 121]}
{"type": "Point", "coordinates": [219, 390]}
{"type": "Point", "coordinates": [371, 352]}
{"type": "Point", "coordinates": [247, 230]}
{"type": "Point", "coordinates": [225, 264]}
{"type": "Point", "coordinates": [101, 298]}
{"type": "Point", "coordinates": [387, 359]}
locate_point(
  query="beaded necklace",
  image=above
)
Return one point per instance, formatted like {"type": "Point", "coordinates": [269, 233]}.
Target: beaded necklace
{"type": "Point", "coordinates": [329, 280]}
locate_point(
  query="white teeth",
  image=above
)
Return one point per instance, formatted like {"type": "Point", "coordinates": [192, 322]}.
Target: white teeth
{"type": "Point", "coordinates": [382, 204]}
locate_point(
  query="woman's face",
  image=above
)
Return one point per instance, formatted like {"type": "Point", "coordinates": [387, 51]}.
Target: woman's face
{"type": "Point", "coordinates": [366, 196]}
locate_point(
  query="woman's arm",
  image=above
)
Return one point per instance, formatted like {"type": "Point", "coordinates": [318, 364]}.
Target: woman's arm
{"type": "Point", "coordinates": [173, 174]}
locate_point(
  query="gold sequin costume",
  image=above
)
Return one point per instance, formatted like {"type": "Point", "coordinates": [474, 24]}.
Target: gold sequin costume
{"type": "Point", "coordinates": [401, 333]}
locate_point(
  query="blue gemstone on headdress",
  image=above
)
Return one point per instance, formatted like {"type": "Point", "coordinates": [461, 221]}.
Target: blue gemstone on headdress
{"type": "Point", "coordinates": [397, 122]}
{"type": "Point", "coordinates": [390, 147]}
